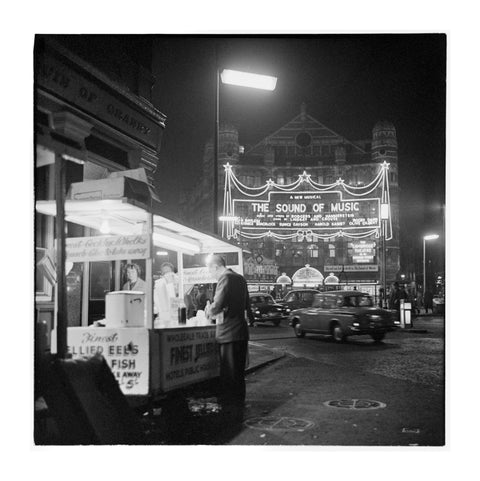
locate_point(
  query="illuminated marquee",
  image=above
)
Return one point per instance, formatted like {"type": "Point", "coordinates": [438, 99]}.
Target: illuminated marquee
{"type": "Point", "coordinates": [307, 210]}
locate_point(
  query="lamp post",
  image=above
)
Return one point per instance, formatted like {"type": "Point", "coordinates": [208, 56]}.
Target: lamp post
{"type": "Point", "coordinates": [241, 79]}
{"type": "Point", "coordinates": [384, 214]}
{"type": "Point", "coordinates": [426, 238]}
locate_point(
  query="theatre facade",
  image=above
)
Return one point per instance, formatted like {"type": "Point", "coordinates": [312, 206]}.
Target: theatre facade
{"type": "Point", "coordinates": [307, 195]}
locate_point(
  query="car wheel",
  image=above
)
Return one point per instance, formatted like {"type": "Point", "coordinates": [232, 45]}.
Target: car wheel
{"type": "Point", "coordinates": [337, 333]}
{"type": "Point", "coordinates": [378, 336]}
{"type": "Point", "coordinates": [297, 328]}
{"type": "Point", "coordinates": [276, 323]}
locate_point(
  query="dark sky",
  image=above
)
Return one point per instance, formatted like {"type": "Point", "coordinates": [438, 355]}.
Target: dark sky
{"type": "Point", "coordinates": [349, 82]}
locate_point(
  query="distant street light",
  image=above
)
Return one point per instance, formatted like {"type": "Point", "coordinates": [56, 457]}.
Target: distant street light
{"type": "Point", "coordinates": [241, 79]}
{"type": "Point", "coordinates": [426, 238]}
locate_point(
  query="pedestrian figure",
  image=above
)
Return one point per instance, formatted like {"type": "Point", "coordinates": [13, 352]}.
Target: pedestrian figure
{"type": "Point", "coordinates": [229, 305]}
{"type": "Point", "coordinates": [428, 300]}
{"type": "Point", "coordinates": [394, 299]}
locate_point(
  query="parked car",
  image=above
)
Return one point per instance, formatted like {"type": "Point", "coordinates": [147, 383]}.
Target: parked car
{"type": "Point", "coordinates": [265, 309]}
{"type": "Point", "coordinates": [342, 314]}
{"type": "Point", "coordinates": [298, 298]}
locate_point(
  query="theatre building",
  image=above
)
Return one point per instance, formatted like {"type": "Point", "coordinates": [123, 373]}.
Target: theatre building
{"type": "Point", "coordinates": [93, 114]}
{"type": "Point", "coordinates": [305, 147]}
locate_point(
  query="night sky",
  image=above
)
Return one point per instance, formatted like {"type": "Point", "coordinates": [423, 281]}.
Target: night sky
{"type": "Point", "coordinates": [348, 82]}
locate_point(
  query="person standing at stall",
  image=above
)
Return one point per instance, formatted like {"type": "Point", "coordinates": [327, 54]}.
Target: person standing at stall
{"type": "Point", "coordinates": [134, 282]}
{"type": "Point", "coordinates": [229, 305]}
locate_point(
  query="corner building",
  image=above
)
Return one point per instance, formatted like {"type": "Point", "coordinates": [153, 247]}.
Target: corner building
{"type": "Point", "coordinates": [93, 113]}
{"type": "Point", "coordinates": [305, 144]}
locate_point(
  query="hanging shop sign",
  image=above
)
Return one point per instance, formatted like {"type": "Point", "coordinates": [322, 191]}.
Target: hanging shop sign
{"type": "Point", "coordinates": [260, 269]}
{"type": "Point", "coordinates": [107, 248]}
{"type": "Point", "coordinates": [352, 268]}
{"type": "Point", "coordinates": [188, 355]}
{"type": "Point", "coordinates": [126, 351]}
{"type": "Point", "coordinates": [308, 210]}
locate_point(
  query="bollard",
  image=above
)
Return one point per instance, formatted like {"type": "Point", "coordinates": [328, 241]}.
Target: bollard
{"type": "Point", "coordinates": [405, 314]}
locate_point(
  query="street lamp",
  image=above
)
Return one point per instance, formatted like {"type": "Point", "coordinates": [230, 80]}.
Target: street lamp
{"type": "Point", "coordinates": [241, 79]}
{"type": "Point", "coordinates": [426, 238]}
{"type": "Point", "coordinates": [384, 215]}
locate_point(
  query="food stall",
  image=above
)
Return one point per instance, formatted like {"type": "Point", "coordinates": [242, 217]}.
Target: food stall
{"type": "Point", "coordinates": [150, 344]}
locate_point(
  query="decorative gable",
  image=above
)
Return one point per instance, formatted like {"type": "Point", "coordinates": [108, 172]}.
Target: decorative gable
{"type": "Point", "coordinates": [303, 137]}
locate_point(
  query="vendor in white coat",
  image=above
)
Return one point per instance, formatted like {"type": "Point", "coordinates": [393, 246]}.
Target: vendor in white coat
{"type": "Point", "coordinates": [165, 289]}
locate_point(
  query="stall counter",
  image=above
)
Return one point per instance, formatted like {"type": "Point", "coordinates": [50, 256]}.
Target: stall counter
{"type": "Point", "coordinates": [149, 361]}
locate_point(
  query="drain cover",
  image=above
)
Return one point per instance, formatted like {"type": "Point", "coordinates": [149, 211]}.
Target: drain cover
{"type": "Point", "coordinates": [275, 423]}
{"type": "Point", "coordinates": [360, 404]}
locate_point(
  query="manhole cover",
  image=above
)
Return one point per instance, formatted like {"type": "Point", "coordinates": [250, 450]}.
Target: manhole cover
{"type": "Point", "coordinates": [275, 423]}
{"type": "Point", "coordinates": [360, 404]}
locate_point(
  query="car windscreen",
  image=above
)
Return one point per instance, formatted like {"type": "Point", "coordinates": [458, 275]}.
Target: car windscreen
{"type": "Point", "coordinates": [358, 301]}
{"type": "Point", "coordinates": [262, 300]}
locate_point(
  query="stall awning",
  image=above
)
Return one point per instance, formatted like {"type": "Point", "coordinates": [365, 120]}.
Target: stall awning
{"type": "Point", "coordinates": [126, 216]}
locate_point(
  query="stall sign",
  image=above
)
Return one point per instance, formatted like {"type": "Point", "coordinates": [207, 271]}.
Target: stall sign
{"type": "Point", "coordinates": [126, 351]}
{"type": "Point", "coordinates": [308, 210]}
{"type": "Point", "coordinates": [201, 275]}
{"type": "Point", "coordinates": [107, 248]}
{"type": "Point", "coordinates": [188, 355]}
{"type": "Point", "coordinates": [352, 268]}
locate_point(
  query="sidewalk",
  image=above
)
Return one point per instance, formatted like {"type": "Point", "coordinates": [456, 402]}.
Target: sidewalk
{"type": "Point", "coordinates": [286, 405]}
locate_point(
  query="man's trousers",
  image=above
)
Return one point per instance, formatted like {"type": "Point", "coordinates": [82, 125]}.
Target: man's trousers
{"type": "Point", "coordinates": [233, 356]}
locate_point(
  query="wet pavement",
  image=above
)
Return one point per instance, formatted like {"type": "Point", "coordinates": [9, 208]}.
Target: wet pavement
{"type": "Point", "coordinates": [312, 391]}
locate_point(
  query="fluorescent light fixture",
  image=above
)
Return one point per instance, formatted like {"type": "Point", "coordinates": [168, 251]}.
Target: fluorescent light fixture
{"type": "Point", "coordinates": [384, 211]}
{"type": "Point", "coordinates": [105, 227]}
{"type": "Point", "coordinates": [245, 79]}
{"type": "Point", "coordinates": [431, 237]}
{"type": "Point", "coordinates": [162, 253]}
{"type": "Point", "coordinates": [175, 243]}
{"type": "Point", "coordinates": [228, 218]}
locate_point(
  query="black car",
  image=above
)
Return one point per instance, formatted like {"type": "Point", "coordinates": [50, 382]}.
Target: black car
{"type": "Point", "coordinates": [342, 314]}
{"type": "Point", "coordinates": [265, 309]}
{"type": "Point", "coordinates": [298, 298]}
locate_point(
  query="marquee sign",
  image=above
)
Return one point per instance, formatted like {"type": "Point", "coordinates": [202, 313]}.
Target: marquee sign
{"type": "Point", "coordinates": [324, 211]}
{"type": "Point", "coordinates": [308, 210]}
